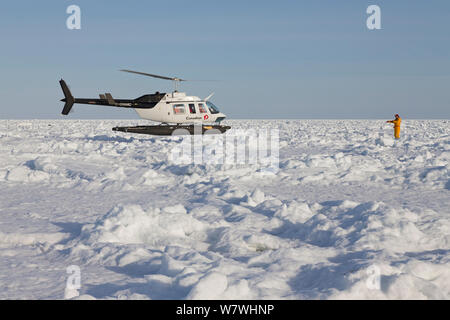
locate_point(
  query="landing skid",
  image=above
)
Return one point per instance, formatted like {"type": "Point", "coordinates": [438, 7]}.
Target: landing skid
{"type": "Point", "coordinates": [167, 130]}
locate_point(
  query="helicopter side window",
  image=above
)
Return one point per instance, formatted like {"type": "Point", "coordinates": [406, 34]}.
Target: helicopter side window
{"type": "Point", "coordinates": [201, 107]}
{"type": "Point", "coordinates": [192, 108]}
{"type": "Point", "coordinates": [212, 108]}
{"type": "Point", "coordinates": [178, 109]}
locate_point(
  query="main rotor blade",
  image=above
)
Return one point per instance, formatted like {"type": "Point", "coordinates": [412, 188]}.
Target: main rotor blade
{"type": "Point", "coordinates": [153, 75]}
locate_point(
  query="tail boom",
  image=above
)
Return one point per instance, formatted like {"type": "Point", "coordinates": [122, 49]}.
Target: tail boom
{"type": "Point", "coordinates": [143, 102]}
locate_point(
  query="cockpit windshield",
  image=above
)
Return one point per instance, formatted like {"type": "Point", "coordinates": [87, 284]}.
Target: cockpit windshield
{"type": "Point", "coordinates": [212, 108]}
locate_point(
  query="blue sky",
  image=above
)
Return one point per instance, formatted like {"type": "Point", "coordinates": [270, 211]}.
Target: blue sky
{"type": "Point", "coordinates": [274, 59]}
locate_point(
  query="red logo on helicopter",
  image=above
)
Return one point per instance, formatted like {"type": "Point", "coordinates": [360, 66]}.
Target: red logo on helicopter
{"type": "Point", "coordinates": [205, 117]}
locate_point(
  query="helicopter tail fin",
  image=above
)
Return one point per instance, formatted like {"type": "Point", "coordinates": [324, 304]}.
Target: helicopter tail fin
{"type": "Point", "coordinates": [68, 98]}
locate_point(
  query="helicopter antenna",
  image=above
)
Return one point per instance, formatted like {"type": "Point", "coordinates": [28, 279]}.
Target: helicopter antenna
{"type": "Point", "coordinates": [175, 80]}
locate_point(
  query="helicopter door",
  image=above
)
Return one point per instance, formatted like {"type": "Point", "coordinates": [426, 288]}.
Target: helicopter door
{"type": "Point", "coordinates": [203, 112]}
{"type": "Point", "coordinates": [179, 113]}
{"type": "Point", "coordinates": [193, 115]}
{"type": "Point", "coordinates": [192, 108]}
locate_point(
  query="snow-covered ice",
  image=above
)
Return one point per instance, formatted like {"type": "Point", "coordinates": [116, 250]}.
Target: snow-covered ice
{"type": "Point", "coordinates": [350, 213]}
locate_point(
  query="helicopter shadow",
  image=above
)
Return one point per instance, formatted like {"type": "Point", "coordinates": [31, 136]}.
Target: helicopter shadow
{"type": "Point", "coordinates": [106, 138]}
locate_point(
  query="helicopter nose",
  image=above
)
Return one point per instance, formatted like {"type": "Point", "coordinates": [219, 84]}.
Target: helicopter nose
{"type": "Point", "coordinates": [220, 117]}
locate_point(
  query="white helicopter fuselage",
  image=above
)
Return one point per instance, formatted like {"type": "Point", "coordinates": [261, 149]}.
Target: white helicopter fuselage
{"type": "Point", "coordinates": [177, 107]}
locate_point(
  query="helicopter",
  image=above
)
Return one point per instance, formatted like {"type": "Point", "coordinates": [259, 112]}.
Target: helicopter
{"type": "Point", "coordinates": [177, 112]}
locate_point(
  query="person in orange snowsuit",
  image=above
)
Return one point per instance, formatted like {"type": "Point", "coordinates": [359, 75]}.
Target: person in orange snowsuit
{"type": "Point", "coordinates": [396, 123]}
